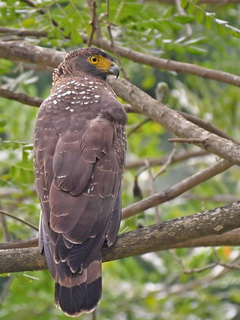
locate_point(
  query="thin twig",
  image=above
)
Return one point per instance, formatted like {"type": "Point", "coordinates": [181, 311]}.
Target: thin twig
{"type": "Point", "coordinates": [93, 11]}
{"type": "Point", "coordinates": [167, 163]}
{"type": "Point", "coordinates": [113, 43]}
{"type": "Point", "coordinates": [160, 161]}
{"type": "Point", "coordinates": [138, 126]}
{"type": "Point", "coordinates": [206, 125]}
{"type": "Point", "coordinates": [198, 270]}
{"type": "Point", "coordinates": [152, 190]}
{"type": "Point", "coordinates": [179, 289]}
{"type": "Point", "coordinates": [6, 234]}
{"type": "Point", "coordinates": [41, 11]}
{"type": "Point", "coordinates": [18, 219]}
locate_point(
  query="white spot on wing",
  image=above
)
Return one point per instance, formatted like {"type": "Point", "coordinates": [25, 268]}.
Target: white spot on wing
{"type": "Point", "coordinates": [67, 92]}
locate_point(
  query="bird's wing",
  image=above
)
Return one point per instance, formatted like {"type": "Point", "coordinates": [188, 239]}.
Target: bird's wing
{"type": "Point", "coordinates": [79, 176]}
{"type": "Point", "coordinates": [86, 181]}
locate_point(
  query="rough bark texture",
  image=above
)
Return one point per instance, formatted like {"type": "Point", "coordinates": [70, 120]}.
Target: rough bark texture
{"type": "Point", "coordinates": [161, 236]}
{"type": "Point", "coordinates": [170, 119]}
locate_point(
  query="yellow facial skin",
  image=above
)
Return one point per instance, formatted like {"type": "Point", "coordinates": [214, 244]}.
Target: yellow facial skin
{"type": "Point", "coordinates": [100, 62]}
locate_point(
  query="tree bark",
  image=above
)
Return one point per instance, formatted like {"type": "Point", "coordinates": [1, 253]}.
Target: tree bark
{"type": "Point", "coordinates": [160, 236]}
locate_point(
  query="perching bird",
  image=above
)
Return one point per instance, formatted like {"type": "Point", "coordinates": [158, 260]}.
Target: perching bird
{"type": "Point", "coordinates": [79, 151]}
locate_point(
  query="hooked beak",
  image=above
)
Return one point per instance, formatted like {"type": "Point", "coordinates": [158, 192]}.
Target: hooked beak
{"type": "Point", "coordinates": [114, 70]}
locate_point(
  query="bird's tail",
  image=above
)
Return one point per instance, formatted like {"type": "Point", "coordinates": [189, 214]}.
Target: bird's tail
{"type": "Point", "coordinates": [80, 292]}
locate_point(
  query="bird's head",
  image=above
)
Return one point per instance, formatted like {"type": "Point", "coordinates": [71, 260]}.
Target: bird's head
{"type": "Point", "coordinates": [85, 61]}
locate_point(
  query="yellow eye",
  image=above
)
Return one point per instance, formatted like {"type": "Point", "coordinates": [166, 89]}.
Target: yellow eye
{"type": "Point", "coordinates": [93, 59]}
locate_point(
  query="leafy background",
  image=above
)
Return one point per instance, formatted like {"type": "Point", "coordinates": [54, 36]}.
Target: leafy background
{"type": "Point", "coordinates": [161, 285]}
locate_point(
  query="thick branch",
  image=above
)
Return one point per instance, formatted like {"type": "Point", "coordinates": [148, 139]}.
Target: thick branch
{"type": "Point", "coordinates": [23, 51]}
{"type": "Point", "coordinates": [157, 237]}
{"type": "Point", "coordinates": [167, 64]}
{"type": "Point", "coordinates": [23, 32]}
{"type": "Point", "coordinates": [142, 103]}
{"type": "Point", "coordinates": [21, 97]}
{"type": "Point", "coordinates": [29, 53]}
{"type": "Point", "coordinates": [231, 238]}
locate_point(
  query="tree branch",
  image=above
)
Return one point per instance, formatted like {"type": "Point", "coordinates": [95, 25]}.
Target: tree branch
{"type": "Point", "coordinates": [21, 97]}
{"type": "Point", "coordinates": [23, 32]}
{"type": "Point", "coordinates": [23, 51]}
{"type": "Point", "coordinates": [206, 125]}
{"type": "Point", "coordinates": [7, 214]}
{"type": "Point", "coordinates": [92, 5]}
{"type": "Point", "coordinates": [175, 190]}
{"type": "Point", "coordinates": [134, 164]}
{"type": "Point", "coordinates": [142, 103]}
{"type": "Point", "coordinates": [26, 243]}
{"type": "Point", "coordinates": [167, 64]}
{"type": "Point", "coordinates": [29, 53]}
{"type": "Point", "coordinates": [160, 236]}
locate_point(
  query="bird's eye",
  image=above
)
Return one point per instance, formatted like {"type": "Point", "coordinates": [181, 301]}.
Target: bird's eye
{"type": "Point", "coordinates": [93, 59]}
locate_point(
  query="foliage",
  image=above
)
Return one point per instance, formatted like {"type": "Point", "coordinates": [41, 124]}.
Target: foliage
{"type": "Point", "coordinates": [153, 286]}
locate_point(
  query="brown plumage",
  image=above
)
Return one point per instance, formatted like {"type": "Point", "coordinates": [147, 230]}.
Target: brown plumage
{"type": "Point", "coordinates": [79, 150]}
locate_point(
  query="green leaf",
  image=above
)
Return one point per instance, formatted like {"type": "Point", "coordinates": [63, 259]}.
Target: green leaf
{"type": "Point", "coordinates": [28, 22]}
{"type": "Point", "coordinates": [183, 18]}
{"type": "Point", "coordinates": [234, 31]}
{"type": "Point", "coordinates": [200, 15]}
{"type": "Point", "coordinates": [3, 122]}
{"type": "Point", "coordinates": [209, 20]}
{"type": "Point", "coordinates": [168, 12]}
{"type": "Point", "coordinates": [184, 3]}
{"type": "Point", "coordinates": [222, 29]}
{"type": "Point", "coordinates": [196, 50]}
{"type": "Point", "coordinates": [75, 36]}
{"type": "Point", "coordinates": [191, 8]}
{"type": "Point", "coordinates": [196, 40]}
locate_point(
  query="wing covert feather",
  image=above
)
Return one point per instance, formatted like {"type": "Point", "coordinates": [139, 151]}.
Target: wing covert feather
{"type": "Point", "coordinates": [75, 156]}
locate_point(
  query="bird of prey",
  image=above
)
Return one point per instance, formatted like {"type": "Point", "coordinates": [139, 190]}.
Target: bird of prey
{"type": "Point", "coordinates": [79, 151]}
